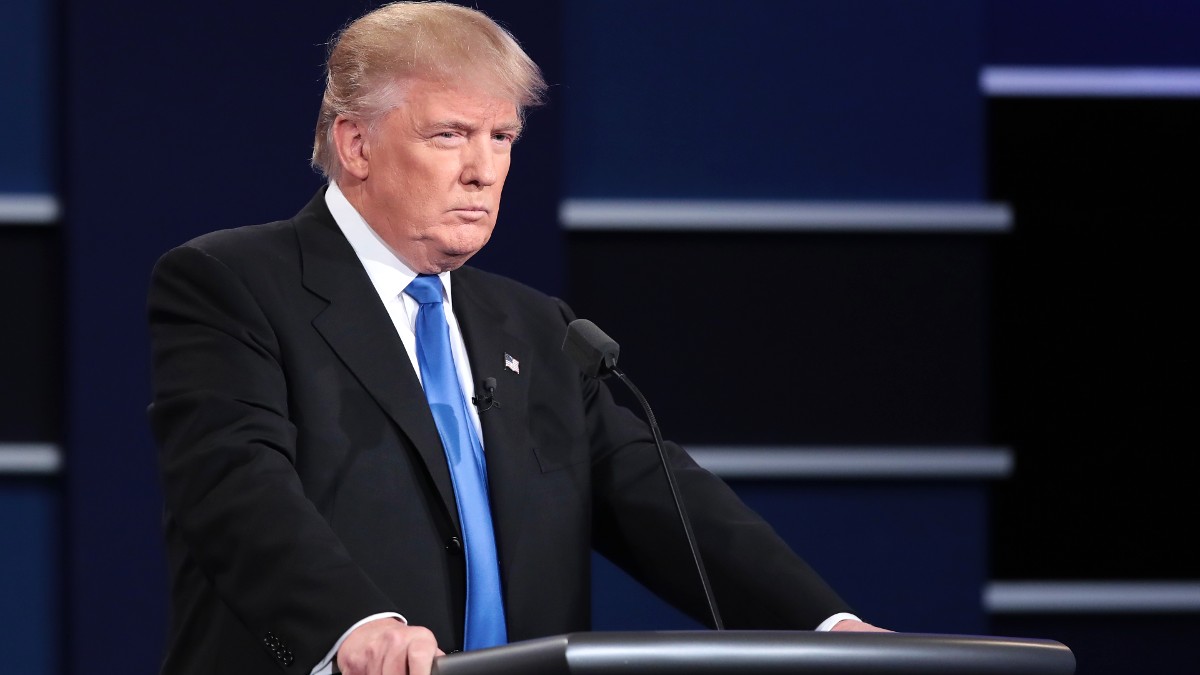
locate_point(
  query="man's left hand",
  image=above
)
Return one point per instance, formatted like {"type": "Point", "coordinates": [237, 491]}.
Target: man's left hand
{"type": "Point", "coordinates": [858, 627]}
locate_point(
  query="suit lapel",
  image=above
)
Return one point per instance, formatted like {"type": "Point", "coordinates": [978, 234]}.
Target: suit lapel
{"type": "Point", "coordinates": [357, 327]}
{"type": "Point", "coordinates": [490, 337]}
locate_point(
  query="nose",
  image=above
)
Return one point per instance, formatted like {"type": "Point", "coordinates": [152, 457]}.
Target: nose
{"type": "Point", "coordinates": [479, 163]}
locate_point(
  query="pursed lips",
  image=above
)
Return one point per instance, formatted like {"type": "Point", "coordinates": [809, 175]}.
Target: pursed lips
{"type": "Point", "coordinates": [471, 211]}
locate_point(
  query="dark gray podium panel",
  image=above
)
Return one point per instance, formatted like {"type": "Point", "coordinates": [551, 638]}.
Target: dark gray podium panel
{"type": "Point", "coordinates": [764, 653]}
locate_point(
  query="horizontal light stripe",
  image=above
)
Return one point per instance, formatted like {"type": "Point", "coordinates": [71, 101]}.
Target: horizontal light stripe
{"type": "Point", "coordinates": [1091, 597]}
{"type": "Point", "coordinates": [1046, 81]}
{"type": "Point", "coordinates": [757, 462]}
{"type": "Point", "coordinates": [733, 215]}
{"type": "Point", "coordinates": [30, 458]}
{"type": "Point", "coordinates": [28, 209]}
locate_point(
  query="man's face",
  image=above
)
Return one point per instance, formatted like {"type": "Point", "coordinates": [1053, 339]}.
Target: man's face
{"type": "Point", "coordinates": [436, 166]}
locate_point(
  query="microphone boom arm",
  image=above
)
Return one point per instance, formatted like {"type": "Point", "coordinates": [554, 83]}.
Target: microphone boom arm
{"type": "Point", "coordinates": [683, 517]}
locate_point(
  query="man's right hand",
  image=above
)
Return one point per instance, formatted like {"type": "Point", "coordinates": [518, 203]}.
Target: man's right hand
{"type": "Point", "coordinates": [388, 647]}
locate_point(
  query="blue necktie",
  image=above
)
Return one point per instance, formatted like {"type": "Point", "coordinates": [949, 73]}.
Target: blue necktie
{"type": "Point", "coordinates": [464, 452]}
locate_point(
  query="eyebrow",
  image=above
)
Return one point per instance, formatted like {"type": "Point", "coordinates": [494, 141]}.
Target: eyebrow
{"type": "Point", "coordinates": [458, 125]}
{"type": "Point", "coordinates": [515, 129]}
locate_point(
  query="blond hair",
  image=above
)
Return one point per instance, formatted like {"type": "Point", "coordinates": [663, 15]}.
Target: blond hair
{"type": "Point", "coordinates": [372, 56]}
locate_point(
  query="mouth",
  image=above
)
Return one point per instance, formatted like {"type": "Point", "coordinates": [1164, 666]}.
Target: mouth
{"type": "Point", "coordinates": [470, 212]}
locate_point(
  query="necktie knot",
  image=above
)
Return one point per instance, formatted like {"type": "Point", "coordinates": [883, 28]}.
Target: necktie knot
{"type": "Point", "coordinates": [426, 289]}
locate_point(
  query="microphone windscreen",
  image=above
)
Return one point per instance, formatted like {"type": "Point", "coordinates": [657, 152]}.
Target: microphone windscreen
{"type": "Point", "coordinates": [591, 348]}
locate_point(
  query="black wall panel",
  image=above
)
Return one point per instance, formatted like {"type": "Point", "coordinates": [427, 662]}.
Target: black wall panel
{"type": "Point", "coordinates": [31, 343]}
{"type": "Point", "coordinates": [1094, 336]}
{"type": "Point", "coordinates": [786, 338]}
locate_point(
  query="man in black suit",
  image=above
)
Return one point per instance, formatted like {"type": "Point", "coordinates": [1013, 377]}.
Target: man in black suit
{"type": "Point", "coordinates": [311, 516]}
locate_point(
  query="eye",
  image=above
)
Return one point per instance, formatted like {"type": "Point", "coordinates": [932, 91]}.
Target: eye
{"type": "Point", "coordinates": [447, 138]}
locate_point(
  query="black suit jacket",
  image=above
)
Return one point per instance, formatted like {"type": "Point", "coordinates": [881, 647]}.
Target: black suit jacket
{"type": "Point", "coordinates": [306, 487]}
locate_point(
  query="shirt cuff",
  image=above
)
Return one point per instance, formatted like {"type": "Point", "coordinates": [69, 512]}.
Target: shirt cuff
{"type": "Point", "coordinates": [328, 666]}
{"type": "Point", "coordinates": [832, 621]}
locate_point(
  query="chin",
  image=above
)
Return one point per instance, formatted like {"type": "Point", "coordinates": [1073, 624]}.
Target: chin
{"type": "Point", "coordinates": [452, 259]}
{"type": "Point", "coordinates": [463, 248]}
{"type": "Point", "coordinates": [449, 253]}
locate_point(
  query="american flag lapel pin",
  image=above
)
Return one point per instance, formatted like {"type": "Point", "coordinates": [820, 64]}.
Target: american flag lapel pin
{"type": "Point", "coordinates": [511, 364]}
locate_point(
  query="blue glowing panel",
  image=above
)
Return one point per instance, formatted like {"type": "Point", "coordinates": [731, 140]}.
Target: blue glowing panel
{"type": "Point", "coordinates": [1093, 33]}
{"type": "Point", "coordinates": [27, 117]}
{"type": "Point", "coordinates": [29, 577]}
{"type": "Point", "coordinates": [773, 99]}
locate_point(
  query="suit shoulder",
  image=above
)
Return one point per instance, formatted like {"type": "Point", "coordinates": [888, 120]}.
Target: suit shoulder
{"type": "Point", "coordinates": [500, 290]}
{"type": "Point", "coordinates": [247, 242]}
{"type": "Point", "coordinates": [483, 279]}
{"type": "Point", "coordinates": [259, 251]}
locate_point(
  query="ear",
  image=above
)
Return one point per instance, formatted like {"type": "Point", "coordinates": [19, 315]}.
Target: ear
{"type": "Point", "coordinates": [350, 139]}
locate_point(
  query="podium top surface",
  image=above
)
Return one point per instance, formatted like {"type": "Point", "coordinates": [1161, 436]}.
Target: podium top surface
{"type": "Point", "coordinates": [764, 653]}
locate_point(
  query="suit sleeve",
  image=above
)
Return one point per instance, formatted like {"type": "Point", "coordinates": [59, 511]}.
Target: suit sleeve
{"type": "Point", "coordinates": [759, 582]}
{"type": "Point", "coordinates": [234, 502]}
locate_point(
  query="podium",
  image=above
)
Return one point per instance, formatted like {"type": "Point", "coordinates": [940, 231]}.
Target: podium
{"type": "Point", "coordinates": [732, 652]}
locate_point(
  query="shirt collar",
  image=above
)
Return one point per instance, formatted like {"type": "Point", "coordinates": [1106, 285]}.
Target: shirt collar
{"type": "Point", "coordinates": [388, 273]}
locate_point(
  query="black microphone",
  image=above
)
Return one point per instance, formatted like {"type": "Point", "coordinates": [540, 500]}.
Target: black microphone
{"type": "Point", "coordinates": [596, 355]}
{"type": "Point", "coordinates": [590, 348]}
{"type": "Point", "coordinates": [487, 400]}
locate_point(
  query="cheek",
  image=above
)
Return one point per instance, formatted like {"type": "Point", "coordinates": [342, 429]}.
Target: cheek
{"type": "Point", "coordinates": [419, 177]}
{"type": "Point", "coordinates": [414, 194]}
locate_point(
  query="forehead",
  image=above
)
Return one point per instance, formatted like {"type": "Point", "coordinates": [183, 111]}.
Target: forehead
{"type": "Point", "coordinates": [429, 100]}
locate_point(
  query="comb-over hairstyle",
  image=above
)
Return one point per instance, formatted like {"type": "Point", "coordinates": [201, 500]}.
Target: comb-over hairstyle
{"type": "Point", "coordinates": [371, 57]}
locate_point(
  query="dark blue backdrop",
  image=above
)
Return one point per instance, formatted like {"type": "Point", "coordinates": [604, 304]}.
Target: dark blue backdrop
{"type": "Point", "coordinates": [180, 118]}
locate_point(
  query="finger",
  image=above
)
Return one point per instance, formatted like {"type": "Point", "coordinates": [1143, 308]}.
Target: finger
{"type": "Point", "coordinates": [394, 662]}
{"type": "Point", "coordinates": [351, 666]}
{"type": "Point", "coordinates": [420, 656]}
